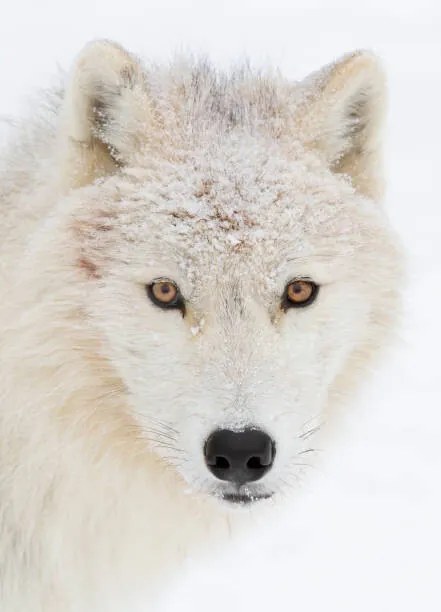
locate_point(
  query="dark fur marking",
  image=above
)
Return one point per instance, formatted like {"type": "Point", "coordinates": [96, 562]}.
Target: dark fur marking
{"type": "Point", "coordinates": [92, 269]}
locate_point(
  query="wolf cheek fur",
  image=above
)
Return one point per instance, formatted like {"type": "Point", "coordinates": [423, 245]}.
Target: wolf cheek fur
{"type": "Point", "coordinates": [227, 188]}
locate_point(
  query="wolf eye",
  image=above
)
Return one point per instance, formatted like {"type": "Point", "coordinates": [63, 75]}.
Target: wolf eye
{"type": "Point", "coordinates": [299, 293]}
{"type": "Point", "coordinates": [164, 293]}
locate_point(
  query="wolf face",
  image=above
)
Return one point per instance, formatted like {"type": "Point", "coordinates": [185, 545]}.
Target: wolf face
{"type": "Point", "coordinates": [238, 269]}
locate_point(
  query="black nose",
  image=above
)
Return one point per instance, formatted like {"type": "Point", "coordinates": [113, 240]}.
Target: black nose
{"type": "Point", "coordinates": [239, 457]}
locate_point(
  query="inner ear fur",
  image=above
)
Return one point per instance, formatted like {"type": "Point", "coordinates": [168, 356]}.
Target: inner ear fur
{"type": "Point", "coordinates": [106, 112]}
{"type": "Point", "coordinates": [342, 117]}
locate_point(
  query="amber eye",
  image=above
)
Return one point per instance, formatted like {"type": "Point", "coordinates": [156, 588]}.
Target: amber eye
{"type": "Point", "coordinates": [299, 293]}
{"type": "Point", "coordinates": [165, 294]}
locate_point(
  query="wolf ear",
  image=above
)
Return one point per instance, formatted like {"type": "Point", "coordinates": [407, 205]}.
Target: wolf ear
{"type": "Point", "coordinates": [343, 118]}
{"type": "Point", "coordinates": [106, 112]}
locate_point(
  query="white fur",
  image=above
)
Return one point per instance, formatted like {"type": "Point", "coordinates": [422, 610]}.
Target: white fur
{"type": "Point", "coordinates": [231, 185]}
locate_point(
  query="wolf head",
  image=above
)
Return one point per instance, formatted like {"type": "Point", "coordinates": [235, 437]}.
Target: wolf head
{"type": "Point", "coordinates": [238, 269]}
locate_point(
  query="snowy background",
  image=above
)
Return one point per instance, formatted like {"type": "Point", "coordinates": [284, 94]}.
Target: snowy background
{"type": "Point", "coordinates": [365, 533]}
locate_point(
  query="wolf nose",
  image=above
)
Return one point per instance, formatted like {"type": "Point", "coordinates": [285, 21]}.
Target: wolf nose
{"type": "Point", "coordinates": [239, 457]}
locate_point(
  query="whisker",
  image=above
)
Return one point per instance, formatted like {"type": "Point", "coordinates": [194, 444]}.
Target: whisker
{"type": "Point", "coordinates": [163, 424]}
{"type": "Point", "coordinates": [160, 433]}
{"type": "Point", "coordinates": [157, 444]}
{"type": "Point", "coordinates": [307, 434]}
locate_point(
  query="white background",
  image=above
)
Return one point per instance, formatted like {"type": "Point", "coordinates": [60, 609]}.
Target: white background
{"type": "Point", "coordinates": [365, 533]}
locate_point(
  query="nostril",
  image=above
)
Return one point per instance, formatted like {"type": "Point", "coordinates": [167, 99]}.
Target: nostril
{"type": "Point", "coordinates": [222, 463]}
{"type": "Point", "coordinates": [254, 463]}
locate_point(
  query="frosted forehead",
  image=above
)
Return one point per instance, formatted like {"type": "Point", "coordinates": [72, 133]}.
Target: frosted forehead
{"type": "Point", "coordinates": [241, 196]}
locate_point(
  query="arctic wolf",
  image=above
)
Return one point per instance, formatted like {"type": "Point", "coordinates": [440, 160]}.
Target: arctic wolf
{"type": "Point", "coordinates": [195, 268]}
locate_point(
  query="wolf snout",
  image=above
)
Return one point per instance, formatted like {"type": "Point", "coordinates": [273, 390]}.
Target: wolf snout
{"type": "Point", "coordinates": [239, 457]}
